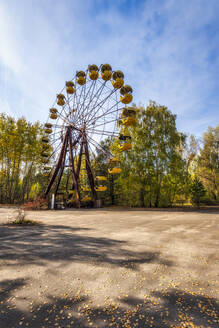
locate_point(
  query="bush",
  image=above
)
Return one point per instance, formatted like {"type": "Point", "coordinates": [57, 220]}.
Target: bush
{"type": "Point", "coordinates": [38, 204]}
{"type": "Point", "coordinates": [197, 191]}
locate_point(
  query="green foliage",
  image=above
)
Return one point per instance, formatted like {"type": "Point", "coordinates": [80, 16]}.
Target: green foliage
{"type": "Point", "coordinates": [154, 171]}
{"type": "Point", "coordinates": [197, 191]}
{"type": "Point", "coordinates": [20, 160]}
{"type": "Point", "coordinates": [208, 163]}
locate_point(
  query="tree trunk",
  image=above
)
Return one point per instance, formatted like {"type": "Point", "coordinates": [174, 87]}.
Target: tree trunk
{"type": "Point", "coordinates": [112, 190]}
{"type": "Point", "coordinates": [142, 197]}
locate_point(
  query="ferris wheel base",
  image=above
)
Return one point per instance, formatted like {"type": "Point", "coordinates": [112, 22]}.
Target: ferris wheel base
{"type": "Point", "coordinates": [57, 205]}
{"type": "Point", "coordinates": [98, 203]}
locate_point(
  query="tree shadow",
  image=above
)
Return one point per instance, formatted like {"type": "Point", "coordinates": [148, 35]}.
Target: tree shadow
{"type": "Point", "coordinates": [203, 209]}
{"type": "Point", "coordinates": [44, 244]}
{"type": "Point", "coordinates": [168, 309]}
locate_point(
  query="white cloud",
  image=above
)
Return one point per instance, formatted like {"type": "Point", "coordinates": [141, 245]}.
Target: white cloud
{"type": "Point", "coordinates": [161, 47]}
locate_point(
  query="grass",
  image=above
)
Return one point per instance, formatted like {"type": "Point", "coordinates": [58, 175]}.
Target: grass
{"type": "Point", "coordinates": [24, 222]}
{"type": "Point", "coordinates": [20, 219]}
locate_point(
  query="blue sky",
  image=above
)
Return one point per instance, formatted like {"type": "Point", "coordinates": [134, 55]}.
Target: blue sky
{"type": "Point", "coordinates": [168, 50]}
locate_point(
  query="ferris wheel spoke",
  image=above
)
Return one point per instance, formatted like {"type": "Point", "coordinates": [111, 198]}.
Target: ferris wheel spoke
{"type": "Point", "coordinates": [96, 95]}
{"type": "Point", "coordinates": [74, 100]}
{"type": "Point", "coordinates": [91, 150]}
{"type": "Point", "coordinates": [53, 134]}
{"type": "Point", "coordinates": [81, 109]}
{"type": "Point", "coordinates": [100, 104]}
{"type": "Point", "coordinates": [96, 144]}
{"type": "Point", "coordinates": [104, 114]}
{"type": "Point", "coordinates": [105, 132]}
{"type": "Point", "coordinates": [106, 92]}
{"type": "Point", "coordinates": [107, 122]}
{"type": "Point", "coordinates": [80, 105]}
{"type": "Point", "coordinates": [92, 97]}
{"type": "Point", "coordinates": [68, 104]}
{"type": "Point", "coordinates": [54, 151]}
{"type": "Point", "coordinates": [63, 108]}
{"type": "Point", "coordinates": [62, 117]}
{"type": "Point", "coordinates": [54, 141]}
{"type": "Point", "coordinates": [78, 115]}
{"type": "Point", "coordinates": [56, 125]}
{"type": "Point", "coordinates": [109, 113]}
{"type": "Point", "coordinates": [93, 106]}
{"type": "Point", "coordinates": [79, 99]}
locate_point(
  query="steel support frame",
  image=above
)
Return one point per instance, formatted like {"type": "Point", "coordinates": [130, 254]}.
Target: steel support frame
{"type": "Point", "coordinates": [67, 145]}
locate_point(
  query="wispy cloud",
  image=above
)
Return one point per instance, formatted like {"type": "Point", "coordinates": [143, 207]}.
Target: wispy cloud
{"type": "Point", "coordinates": [168, 51]}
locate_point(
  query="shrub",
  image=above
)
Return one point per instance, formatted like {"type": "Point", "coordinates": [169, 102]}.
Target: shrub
{"type": "Point", "coordinates": [197, 191]}
{"type": "Point", "coordinates": [38, 204]}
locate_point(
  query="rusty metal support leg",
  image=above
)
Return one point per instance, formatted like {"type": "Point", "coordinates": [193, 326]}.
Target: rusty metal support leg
{"type": "Point", "coordinates": [61, 169]}
{"type": "Point", "coordinates": [89, 169]}
{"type": "Point", "coordinates": [58, 165]}
{"type": "Point", "coordinates": [79, 160]}
{"type": "Point", "coordinates": [75, 179]}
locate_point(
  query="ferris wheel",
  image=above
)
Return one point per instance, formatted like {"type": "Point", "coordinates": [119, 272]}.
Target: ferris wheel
{"type": "Point", "coordinates": [85, 113]}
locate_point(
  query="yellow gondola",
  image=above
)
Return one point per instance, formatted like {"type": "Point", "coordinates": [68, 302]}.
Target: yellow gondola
{"type": "Point", "coordinates": [93, 72]}
{"type": "Point", "coordinates": [86, 189]}
{"type": "Point", "coordinates": [126, 89]}
{"type": "Point", "coordinates": [114, 164]}
{"type": "Point", "coordinates": [86, 199]}
{"type": "Point", "coordinates": [53, 110]}
{"type": "Point", "coordinates": [60, 99]}
{"type": "Point", "coordinates": [46, 174]}
{"type": "Point", "coordinates": [48, 125]}
{"type": "Point", "coordinates": [118, 79]}
{"type": "Point", "coordinates": [45, 154]}
{"type": "Point", "coordinates": [126, 94]}
{"type": "Point", "coordinates": [125, 146]}
{"type": "Point", "coordinates": [46, 146]}
{"type": "Point", "coordinates": [101, 178]}
{"type": "Point", "coordinates": [101, 188]}
{"type": "Point", "coordinates": [81, 79]}
{"type": "Point", "coordinates": [124, 142]}
{"type": "Point", "coordinates": [128, 121]}
{"type": "Point", "coordinates": [99, 183]}
{"type": "Point", "coordinates": [106, 72]}
{"type": "Point", "coordinates": [45, 161]}
{"type": "Point", "coordinates": [93, 75]}
{"type": "Point", "coordinates": [48, 131]}
{"type": "Point", "coordinates": [115, 170]}
{"type": "Point", "coordinates": [126, 99]}
{"type": "Point", "coordinates": [53, 116]}
{"type": "Point", "coordinates": [70, 87]}
{"type": "Point", "coordinates": [45, 139]}
{"type": "Point", "coordinates": [128, 116]}
{"type": "Point", "coordinates": [47, 168]}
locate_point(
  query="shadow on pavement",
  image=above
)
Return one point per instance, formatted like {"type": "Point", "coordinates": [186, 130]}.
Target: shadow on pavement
{"type": "Point", "coordinates": [42, 244]}
{"type": "Point", "coordinates": [169, 309]}
{"type": "Point", "coordinates": [203, 209]}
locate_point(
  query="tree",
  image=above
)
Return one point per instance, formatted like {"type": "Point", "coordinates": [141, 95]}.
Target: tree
{"type": "Point", "coordinates": [197, 191]}
{"type": "Point", "coordinates": [208, 162]}
{"type": "Point", "coordinates": [155, 163]}
{"type": "Point", "coordinates": [20, 161]}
